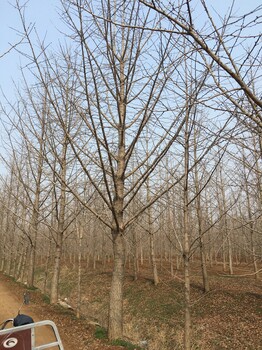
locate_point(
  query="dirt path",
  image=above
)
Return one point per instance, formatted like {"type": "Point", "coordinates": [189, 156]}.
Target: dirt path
{"type": "Point", "coordinates": [75, 334]}
{"type": "Point", "coordinates": [10, 304]}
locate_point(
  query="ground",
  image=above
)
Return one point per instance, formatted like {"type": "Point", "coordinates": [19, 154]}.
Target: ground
{"type": "Point", "coordinates": [228, 317]}
{"type": "Point", "coordinates": [75, 334]}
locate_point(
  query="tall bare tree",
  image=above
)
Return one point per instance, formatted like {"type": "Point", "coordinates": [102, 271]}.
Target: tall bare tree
{"type": "Point", "coordinates": [121, 82]}
{"type": "Point", "coordinates": [128, 84]}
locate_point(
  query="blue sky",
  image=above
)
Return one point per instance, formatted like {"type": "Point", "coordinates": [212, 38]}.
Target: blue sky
{"type": "Point", "coordinates": [41, 12]}
{"type": "Point", "coordinates": [44, 13]}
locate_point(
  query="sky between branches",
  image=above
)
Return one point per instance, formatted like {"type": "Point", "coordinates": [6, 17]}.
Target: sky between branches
{"type": "Point", "coordinates": [45, 16]}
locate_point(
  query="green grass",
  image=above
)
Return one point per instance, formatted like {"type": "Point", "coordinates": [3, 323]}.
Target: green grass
{"type": "Point", "coordinates": [46, 298]}
{"type": "Point", "coordinates": [32, 288]}
{"type": "Point", "coordinates": [159, 304]}
{"type": "Point", "coordinates": [100, 333]}
{"type": "Point", "coordinates": [126, 344]}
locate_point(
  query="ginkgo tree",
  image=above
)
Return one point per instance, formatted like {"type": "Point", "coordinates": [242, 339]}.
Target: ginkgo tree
{"type": "Point", "coordinates": [123, 90]}
{"type": "Point", "coordinates": [229, 45]}
{"type": "Point", "coordinates": [130, 85]}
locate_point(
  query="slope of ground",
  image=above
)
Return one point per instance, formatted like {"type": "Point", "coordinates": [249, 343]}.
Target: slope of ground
{"type": "Point", "coordinates": [228, 317]}
{"type": "Point", "coordinates": [75, 334]}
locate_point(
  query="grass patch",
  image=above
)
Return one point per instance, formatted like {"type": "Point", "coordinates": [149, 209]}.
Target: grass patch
{"type": "Point", "coordinates": [66, 287]}
{"type": "Point", "coordinates": [39, 270]}
{"type": "Point", "coordinates": [161, 304]}
{"type": "Point", "coordinates": [46, 298]}
{"type": "Point", "coordinates": [32, 288]}
{"type": "Point", "coordinates": [126, 344]}
{"type": "Point", "coordinates": [100, 333]}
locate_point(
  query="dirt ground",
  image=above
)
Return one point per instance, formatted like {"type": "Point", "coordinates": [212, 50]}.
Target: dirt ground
{"type": "Point", "coordinates": [9, 306]}
{"type": "Point", "coordinates": [75, 334]}
{"type": "Point", "coordinates": [228, 317]}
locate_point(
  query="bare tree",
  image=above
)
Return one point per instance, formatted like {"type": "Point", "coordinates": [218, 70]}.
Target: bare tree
{"type": "Point", "coordinates": [126, 81]}
{"type": "Point", "coordinates": [199, 211]}
{"type": "Point", "coordinates": [122, 76]}
{"type": "Point", "coordinates": [229, 46]}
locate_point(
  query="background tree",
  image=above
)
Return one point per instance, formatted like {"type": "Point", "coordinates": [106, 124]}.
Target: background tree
{"type": "Point", "coordinates": [228, 47]}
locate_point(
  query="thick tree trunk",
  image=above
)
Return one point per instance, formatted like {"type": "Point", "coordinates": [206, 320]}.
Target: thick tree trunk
{"type": "Point", "coordinates": [115, 327]}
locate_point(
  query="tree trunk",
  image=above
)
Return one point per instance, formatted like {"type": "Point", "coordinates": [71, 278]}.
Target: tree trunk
{"type": "Point", "coordinates": [115, 327]}
{"type": "Point", "coordinates": [171, 260]}
{"type": "Point", "coordinates": [79, 231]}
{"type": "Point", "coordinates": [135, 255]}
{"type": "Point", "coordinates": [186, 247]}
{"type": "Point", "coordinates": [204, 266]}
{"type": "Point", "coordinates": [200, 222]}
{"type": "Point", "coordinates": [251, 228]}
{"type": "Point", "coordinates": [31, 265]}
{"type": "Point", "coordinates": [61, 224]}
{"type": "Point", "coordinates": [226, 229]}
{"type": "Point", "coordinates": [150, 230]}
{"type": "Point", "coordinates": [48, 257]}
{"type": "Point", "coordinates": [187, 336]}
{"type": "Point", "coordinates": [56, 272]}
{"type": "Point", "coordinates": [153, 260]}
{"type": "Point", "coordinates": [230, 257]}
{"type": "Point", "coordinates": [22, 273]}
